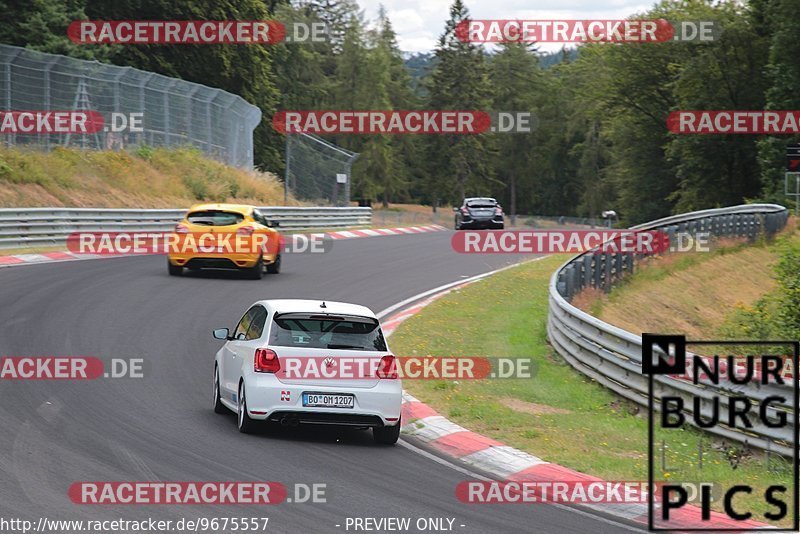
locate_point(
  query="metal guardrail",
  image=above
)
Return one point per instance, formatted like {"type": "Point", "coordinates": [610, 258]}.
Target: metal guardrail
{"type": "Point", "coordinates": [613, 357]}
{"type": "Point", "coordinates": [29, 227]}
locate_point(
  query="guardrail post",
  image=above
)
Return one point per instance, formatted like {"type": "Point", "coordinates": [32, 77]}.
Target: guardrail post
{"type": "Point", "coordinates": [596, 259]}
{"type": "Point", "coordinates": [586, 271]}
{"type": "Point", "coordinates": [671, 233]}
{"type": "Point", "coordinates": [607, 272]}
{"type": "Point", "coordinates": [617, 266]}
{"type": "Point", "coordinates": [627, 263]}
{"type": "Point", "coordinates": [562, 286]}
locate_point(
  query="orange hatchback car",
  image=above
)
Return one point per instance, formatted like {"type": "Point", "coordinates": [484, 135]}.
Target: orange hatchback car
{"type": "Point", "coordinates": [225, 236]}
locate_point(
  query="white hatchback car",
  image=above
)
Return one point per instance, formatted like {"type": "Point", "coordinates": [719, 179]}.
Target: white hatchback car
{"type": "Point", "coordinates": [308, 361]}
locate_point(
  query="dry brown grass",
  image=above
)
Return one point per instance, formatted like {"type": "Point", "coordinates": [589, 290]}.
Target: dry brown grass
{"type": "Point", "coordinates": [161, 179]}
{"type": "Point", "coordinates": [586, 299]}
{"type": "Point", "coordinates": [694, 300]}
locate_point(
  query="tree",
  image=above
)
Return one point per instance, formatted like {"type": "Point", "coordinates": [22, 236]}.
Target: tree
{"type": "Point", "coordinates": [719, 170]}
{"type": "Point", "coordinates": [780, 19]}
{"type": "Point", "coordinates": [42, 25]}
{"type": "Point", "coordinates": [336, 14]}
{"type": "Point", "coordinates": [300, 68]}
{"type": "Point", "coordinates": [519, 83]}
{"type": "Point", "coordinates": [395, 93]}
{"type": "Point", "coordinates": [244, 70]}
{"type": "Point", "coordinates": [459, 81]}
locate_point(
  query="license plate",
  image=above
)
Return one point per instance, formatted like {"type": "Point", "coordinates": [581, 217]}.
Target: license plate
{"type": "Point", "coordinates": [327, 400]}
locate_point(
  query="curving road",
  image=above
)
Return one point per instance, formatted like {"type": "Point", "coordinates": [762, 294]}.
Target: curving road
{"type": "Point", "coordinates": [162, 427]}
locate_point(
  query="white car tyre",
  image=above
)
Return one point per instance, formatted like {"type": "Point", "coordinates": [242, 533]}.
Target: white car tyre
{"type": "Point", "coordinates": [386, 435]}
{"type": "Point", "coordinates": [246, 425]}
{"type": "Point", "coordinates": [218, 406]}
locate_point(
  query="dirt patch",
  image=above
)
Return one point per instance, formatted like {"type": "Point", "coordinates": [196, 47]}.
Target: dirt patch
{"type": "Point", "coordinates": [532, 408]}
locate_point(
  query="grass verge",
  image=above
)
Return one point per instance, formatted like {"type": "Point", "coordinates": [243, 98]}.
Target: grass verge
{"type": "Point", "coordinates": [152, 178]}
{"type": "Point", "coordinates": [558, 414]}
{"type": "Point", "coordinates": [695, 292]}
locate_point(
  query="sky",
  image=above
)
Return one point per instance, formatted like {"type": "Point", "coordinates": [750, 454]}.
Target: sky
{"type": "Point", "coordinates": [419, 23]}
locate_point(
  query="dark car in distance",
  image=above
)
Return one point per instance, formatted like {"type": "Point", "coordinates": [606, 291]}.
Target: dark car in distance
{"type": "Point", "coordinates": [479, 212]}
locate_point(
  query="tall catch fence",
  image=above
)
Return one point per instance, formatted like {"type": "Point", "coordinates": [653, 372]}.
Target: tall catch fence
{"type": "Point", "coordinates": [157, 110]}
{"type": "Point", "coordinates": [317, 171]}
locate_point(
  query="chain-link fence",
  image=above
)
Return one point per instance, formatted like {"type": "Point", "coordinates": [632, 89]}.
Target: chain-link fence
{"type": "Point", "coordinates": [317, 171]}
{"type": "Point", "coordinates": [172, 112]}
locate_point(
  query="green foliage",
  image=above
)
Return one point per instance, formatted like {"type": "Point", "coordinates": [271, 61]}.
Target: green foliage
{"type": "Point", "coordinates": [755, 322]}
{"type": "Point", "coordinates": [145, 152]}
{"type": "Point", "coordinates": [42, 25]}
{"type": "Point", "coordinates": [788, 274]}
{"type": "Point", "coordinates": [5, 169]}
{"type": "Point", "coordinates": [779, 20]}
{"type": "Point", "coordinates": [519, 85]}
{"type": "Point", "coordinates": [600, 141]}
{"type": "Point", "coordinates": [240, 69]}
{"type": "Point", "coordinates": [458, 164]}
{"type": "Point", "coordinates": [777, 314]}
{"type": "Point", "coordinates": [196, 186]}
{"type": "Point", "coordinates": [719, 170]}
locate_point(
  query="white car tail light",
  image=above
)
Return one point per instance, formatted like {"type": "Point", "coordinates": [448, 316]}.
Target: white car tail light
{"type": "Point", "coordinates": [266, 361]}
{"type": "Point", "coordinates": [387, 368]}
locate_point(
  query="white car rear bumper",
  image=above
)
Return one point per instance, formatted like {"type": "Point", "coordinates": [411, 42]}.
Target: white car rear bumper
{"type": "Point", "coordinates": [270, 399]}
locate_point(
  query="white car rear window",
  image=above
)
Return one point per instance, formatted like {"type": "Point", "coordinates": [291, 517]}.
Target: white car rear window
{"type": "Point", "coordinates": [327, 332]}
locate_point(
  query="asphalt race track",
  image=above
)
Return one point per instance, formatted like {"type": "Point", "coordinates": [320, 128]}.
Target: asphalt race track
{"type": "Point", "coordinates": [162, 428]}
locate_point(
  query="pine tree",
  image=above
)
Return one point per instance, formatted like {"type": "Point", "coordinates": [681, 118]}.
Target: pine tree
{"type": "Point", "coordinates": [395, 83]}
{"type": "Point", "coordinates": [42, 25]}
{"type": "Point", "coordinates": [518, 81]}
{"type": "Point", "coordinates": [244, 70]}
{"type": "Point", "coordinates": [781, 17]}
{"type": "Point", "coordinates": [458, 163]}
